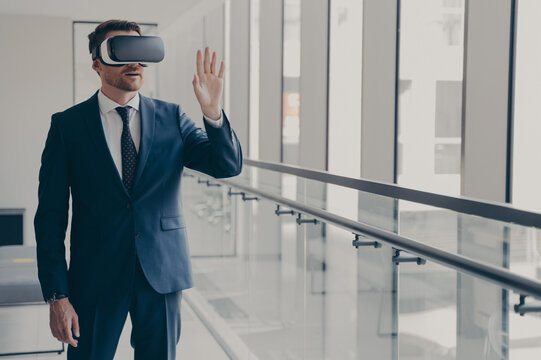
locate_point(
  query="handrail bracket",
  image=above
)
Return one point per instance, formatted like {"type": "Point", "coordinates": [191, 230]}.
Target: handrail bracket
{"type": "Point", "coordinates": [358, 242]}
{"type": "Point", "coordinates": [300, 220]}
{"type": "Point", "coordinates": [397, 258]}
{"type": "Point", "coordinates": [523, 308]}
{"type": "Point", "coordinates": [279, 212]}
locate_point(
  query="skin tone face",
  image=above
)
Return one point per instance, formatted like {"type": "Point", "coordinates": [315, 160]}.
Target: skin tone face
{"type": "Point", "coordinates": [120, 83]}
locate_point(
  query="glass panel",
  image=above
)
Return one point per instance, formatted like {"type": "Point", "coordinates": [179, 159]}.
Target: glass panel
{"type": "Point", "coordinates": [291, 81]}
{"type": "Point", "coordinates": [290, 291]}
{"type": "Point", "coordinates": [524, 256]}
{"type": "Point", "coordinates": [524, 333]}
{"type": "Point", "coordinates": [437, 303]}
{"type": "Point", "coordinates": [428, 312]}
{"type": "Point", "coordinates": [432, 226]}
{"type": "Point", "coordinates": [496, 242]}
{"type": "Point", "coordinates": [377, 302]}
{"type": "Point", "coordinates": [208, 213]}
{"type": "Point", "coordinates": [430, 94]}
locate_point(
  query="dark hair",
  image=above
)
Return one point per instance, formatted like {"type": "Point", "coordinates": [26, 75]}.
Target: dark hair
{"type": "Point", "coordinates": [98, 35]}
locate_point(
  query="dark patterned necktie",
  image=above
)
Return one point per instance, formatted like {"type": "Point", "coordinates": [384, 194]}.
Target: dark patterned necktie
{"type": "Point", "coordinates": [129, 153]}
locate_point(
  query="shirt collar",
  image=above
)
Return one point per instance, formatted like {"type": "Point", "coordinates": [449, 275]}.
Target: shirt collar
{"type": "Point", "coordinates": [107, 104]}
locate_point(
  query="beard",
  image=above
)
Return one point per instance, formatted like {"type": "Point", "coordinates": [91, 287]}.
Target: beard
{"type": "Point", "coordinates": [120, 81]}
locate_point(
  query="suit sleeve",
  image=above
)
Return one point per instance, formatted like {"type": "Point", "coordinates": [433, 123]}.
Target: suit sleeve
{"type": "Point", "coordinates": [215, 151]}
{"type": "Point", "coordinates": [51, 217]}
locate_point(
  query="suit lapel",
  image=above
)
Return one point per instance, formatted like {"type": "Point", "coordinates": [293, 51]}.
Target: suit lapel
{"type": "Point", "coordinates": [93, 121]}
{"type": "Point", "coordinates": [146, 106]}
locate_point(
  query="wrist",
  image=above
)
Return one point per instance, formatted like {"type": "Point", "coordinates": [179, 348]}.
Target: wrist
{"type": "Point", "coordinates": [56, 297]}
{"type": "Point", "coordinates": [213, 113]}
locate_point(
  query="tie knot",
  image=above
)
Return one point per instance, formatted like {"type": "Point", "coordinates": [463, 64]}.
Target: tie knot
{"type": "Point", "coordinates": [123, 112]}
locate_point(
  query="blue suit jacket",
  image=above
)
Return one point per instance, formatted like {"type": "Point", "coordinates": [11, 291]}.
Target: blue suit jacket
{"type": "Point", "coordinates": [108, 225]}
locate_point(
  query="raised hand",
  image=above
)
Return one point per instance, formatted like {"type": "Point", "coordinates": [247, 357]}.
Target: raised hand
{"type": "Point", "coordinates": [207, 85]}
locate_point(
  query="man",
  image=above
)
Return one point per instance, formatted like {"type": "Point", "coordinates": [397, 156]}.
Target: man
{"type": "Point", "coordinates": [121, 156]}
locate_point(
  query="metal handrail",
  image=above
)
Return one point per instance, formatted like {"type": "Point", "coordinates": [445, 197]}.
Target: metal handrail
{"type": "Point", "coordinates": [465, 205]}
{"type": "Point", "coordinates": [500, 276]}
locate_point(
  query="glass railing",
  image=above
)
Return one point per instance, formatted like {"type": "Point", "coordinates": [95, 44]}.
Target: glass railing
{"type": "Point", "coordinates": [425, 281]}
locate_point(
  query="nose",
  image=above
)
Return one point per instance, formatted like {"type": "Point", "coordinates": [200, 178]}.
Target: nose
{"type": "Point", "coordinates": [133, 67]}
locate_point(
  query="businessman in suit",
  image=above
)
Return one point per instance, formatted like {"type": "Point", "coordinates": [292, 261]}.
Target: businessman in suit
{"type": "Point", "coordinates": [121, 157]}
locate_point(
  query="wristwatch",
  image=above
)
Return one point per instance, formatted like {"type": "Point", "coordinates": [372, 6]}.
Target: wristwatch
{"type": "Point", "coordinates": [55, 296]}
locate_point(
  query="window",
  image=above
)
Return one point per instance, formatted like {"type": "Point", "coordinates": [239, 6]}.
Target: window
{"type": "Point", "coordinates": [345, 68]}
{"type": "Point", "coordinates": [430, 94]}
{"type": "Point", "coordinates": [448, 108]}
{"type": "Point", "coordinates": [291, 81]}
{"type": "Point", "coordinates": [527, 112]}
{"type": "Point", "coordinates": [447, 159]}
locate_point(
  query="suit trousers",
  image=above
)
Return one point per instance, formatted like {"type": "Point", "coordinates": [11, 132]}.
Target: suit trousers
{"type": "Point", "coordinates": [155, 322]}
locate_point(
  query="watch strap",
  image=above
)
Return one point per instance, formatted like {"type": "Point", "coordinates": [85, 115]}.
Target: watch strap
{"type": "Point", "coordinates": [55, 297]}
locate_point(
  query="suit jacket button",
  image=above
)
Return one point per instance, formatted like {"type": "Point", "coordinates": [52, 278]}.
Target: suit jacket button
{"type": "Point", "coordinates": [128, 206]}
{"type": "Point", "coordinates": [137, 235]}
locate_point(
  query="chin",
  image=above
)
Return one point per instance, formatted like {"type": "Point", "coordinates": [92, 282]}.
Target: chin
{"type": "Point", "coordinates": [130, 87]}
{"type": "Point", "coordinates": [127, 86]}
{"type": "Point", "coordinates": [134, 88]}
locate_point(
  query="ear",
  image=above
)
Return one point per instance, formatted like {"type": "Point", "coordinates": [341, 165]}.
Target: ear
{"type": "Point", "coordinates": [96, 66]}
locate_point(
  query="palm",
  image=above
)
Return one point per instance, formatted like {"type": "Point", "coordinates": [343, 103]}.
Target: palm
{"type": "Point", "coordinates": [207, 84]}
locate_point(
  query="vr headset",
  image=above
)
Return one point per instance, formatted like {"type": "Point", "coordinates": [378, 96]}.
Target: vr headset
{"type": "Point", "coordinates": [125, 49]}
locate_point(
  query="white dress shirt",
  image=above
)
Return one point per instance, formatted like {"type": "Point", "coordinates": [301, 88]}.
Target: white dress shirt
{"type": "Point", "coordinates": [112, 125]}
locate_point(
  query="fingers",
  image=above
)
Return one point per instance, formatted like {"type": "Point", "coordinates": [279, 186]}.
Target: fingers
{"type": "Point", "coordinates": [68, 338]}
{"type": "Point", "coordinates": [199, 63]}
{"type": "Point", "coordinates": [207, 62]}
{"type": "Point", "coordinates": [213, 63]}
{"type": "Point", "coordinates": [55, 333]}
{"type": "Point", "coordinates": [222, 68]}
{"type": "Point", "coordinates": [63, 333]}
{"type": "Point", "coordinates": [206, 65]}
{"type": "Point", "coordinates": [75, 324]}
{"type": "Point", "coordinates": [195, 81]}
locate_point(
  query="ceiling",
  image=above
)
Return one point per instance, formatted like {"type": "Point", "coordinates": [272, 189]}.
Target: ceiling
{"type": "Point", "coordinates": [161, 12]}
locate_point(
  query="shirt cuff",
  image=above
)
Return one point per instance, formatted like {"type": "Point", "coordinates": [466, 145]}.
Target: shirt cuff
{"type": "Point", "coordinates": [215, 123]}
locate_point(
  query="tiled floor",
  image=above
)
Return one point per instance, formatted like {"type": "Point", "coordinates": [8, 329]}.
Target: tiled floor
{"type": "Point", "coordinates": [26, 327]}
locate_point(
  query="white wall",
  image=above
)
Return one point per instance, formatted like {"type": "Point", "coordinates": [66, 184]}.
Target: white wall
{"type": "Point", "coordinates": [202, 26]}
{"type": "Point", "coordinates": [36, 82]}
